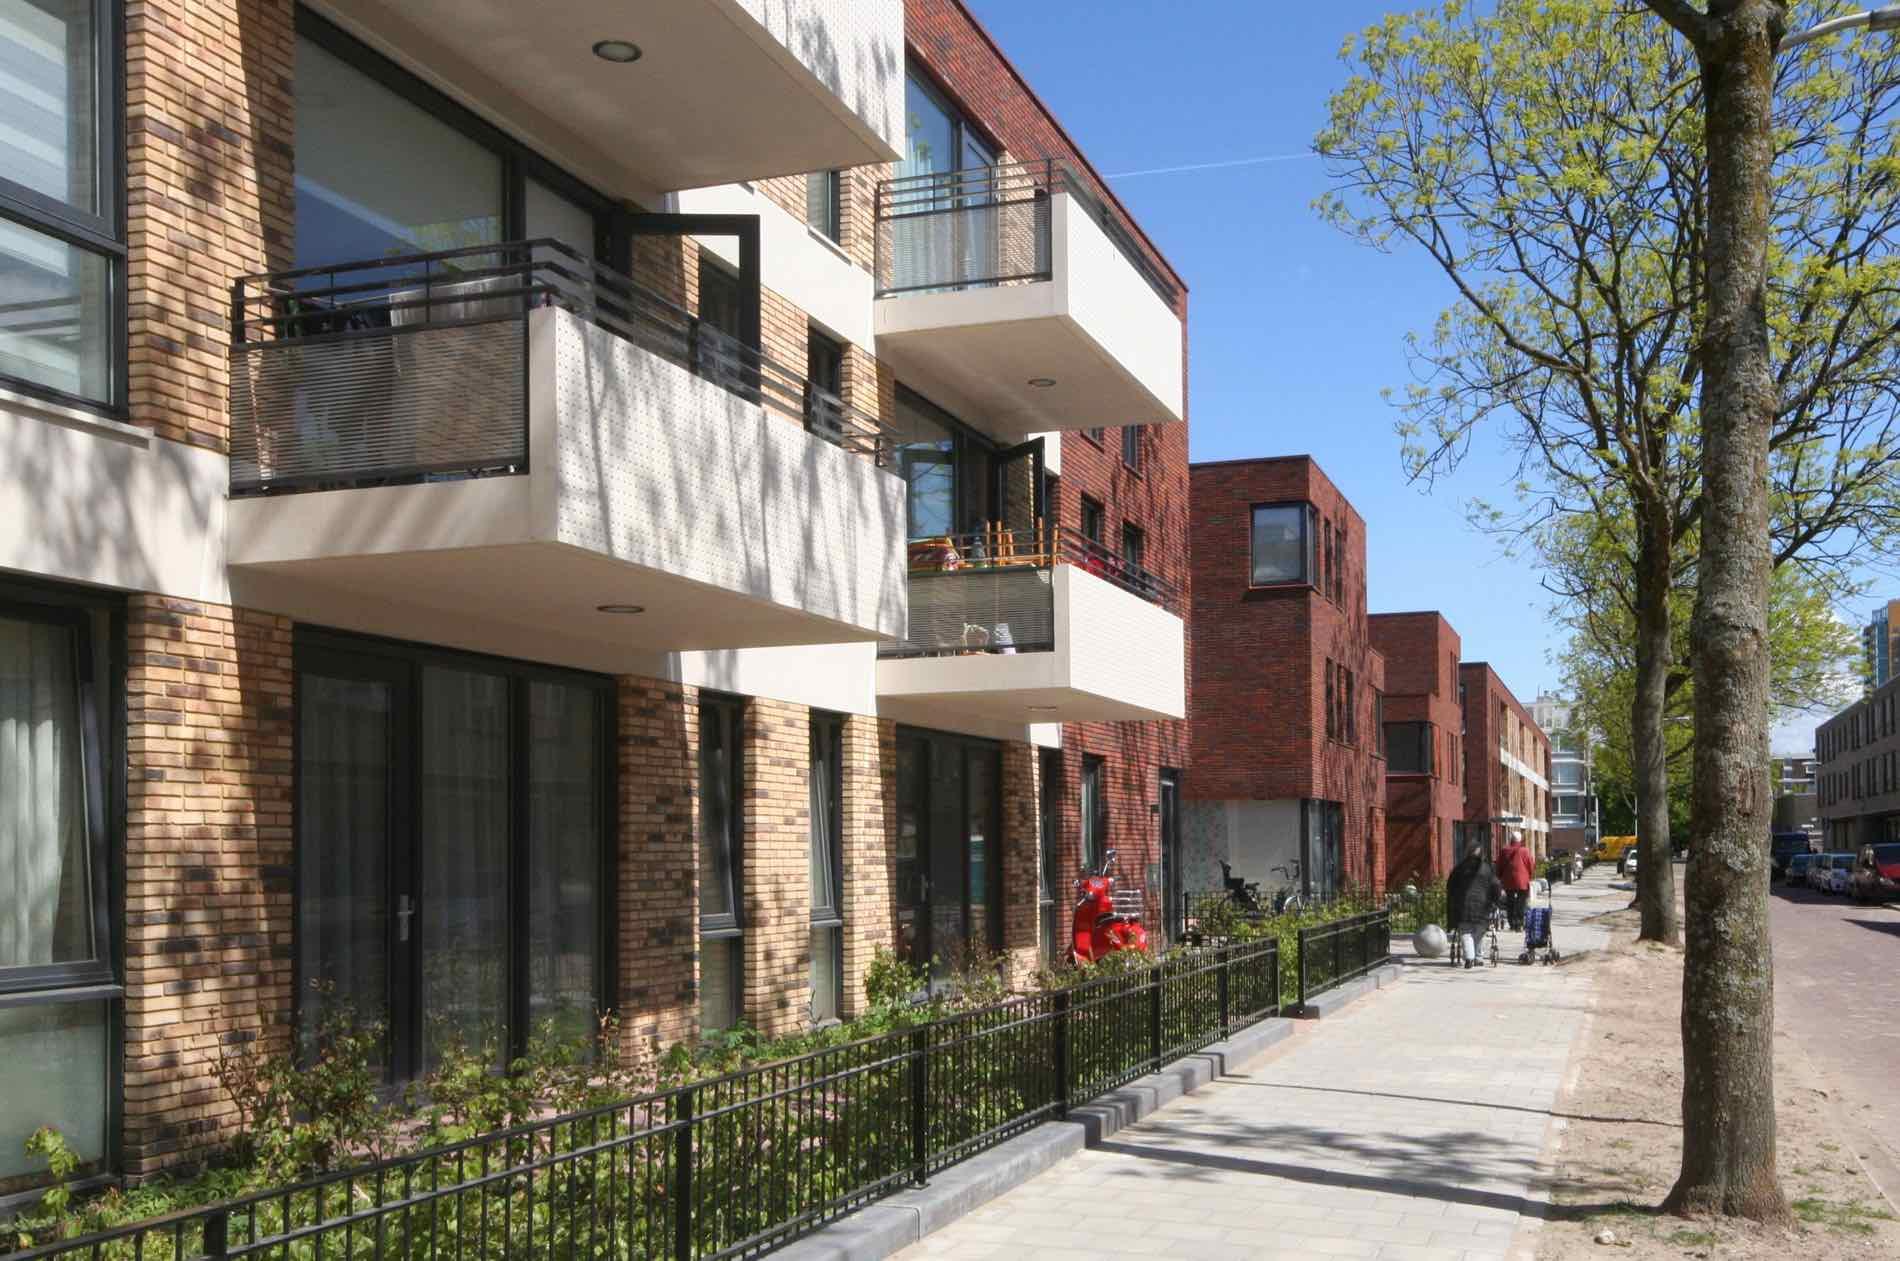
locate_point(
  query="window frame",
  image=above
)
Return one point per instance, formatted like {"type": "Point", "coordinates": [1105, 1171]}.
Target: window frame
{"type": "Point", "coordinates": [827, 917]}
{"type": "Point", "coordinates": [1094, 520]}
{"type": "Point", "coordinates": [1134, 544]}
{"type": "Point", "coordinates": [101, 233]}
{"type": "Point", "coordinates": [1426, 748]}
{"type": "Point", "coordinates": [1309, 528]}
{"type": "Point", "coordinates": [824, 190]}
{"type": "Point", "coordinates": [1093, 810]}
{"type": "Point", "coordinates": [730, 711]}
{"type": "Point", "coordinates": [1131, 447]}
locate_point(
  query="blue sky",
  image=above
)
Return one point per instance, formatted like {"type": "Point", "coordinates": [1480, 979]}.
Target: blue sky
{"type": "Point", "coordinates": [1295, 329]}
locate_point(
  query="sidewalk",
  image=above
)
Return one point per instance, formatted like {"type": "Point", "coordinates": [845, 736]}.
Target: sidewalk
{"type": "Point", "coordinates": [1408, 1125]}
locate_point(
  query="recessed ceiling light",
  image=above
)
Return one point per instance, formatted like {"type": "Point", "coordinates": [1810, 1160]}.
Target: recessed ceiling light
{"type": "Point", "coordinates": [1042, 383]}
{"type": "Point", "coordinates": [620, 608]}
{"type": "Point", "coordinates": [621, 50]}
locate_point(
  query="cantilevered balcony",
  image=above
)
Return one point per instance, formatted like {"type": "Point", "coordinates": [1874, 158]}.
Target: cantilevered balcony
{"type": "Point", "coordinates": [485, 446]}
{"type": "Point", "coordinates": [1033, 627]}
{"type": "Point", "coordinates": [1012, 296]}
{"type": "Point", "coordinates": [716, 91]}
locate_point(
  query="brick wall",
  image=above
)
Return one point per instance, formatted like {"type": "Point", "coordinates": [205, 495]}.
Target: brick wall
{"type": "Point", "coordinates": [1261, 658]}
{"type": "Point", "coordinates": [208, 195]}
{"type": "Point", "coordinates": [777, 914]}
{"type": "Point", "coordinates": [1421, 685]}
{"type": "Point", "coordinates": [1494, 718]}
{"type": "Point", "coordinates": [870, 857]}
{"type": "Point", "coordinates": [208, 916]}
{"type": "Point", "coordinates": [658, 896]}
{"type": "Point", "coordinates": [1020, 852]}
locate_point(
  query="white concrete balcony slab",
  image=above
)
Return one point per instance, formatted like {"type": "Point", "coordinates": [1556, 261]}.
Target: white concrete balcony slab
{"type": "Point", "coordinates": [1012, 297]}
{"type": "Point", "coordinates": [486, 467]}
{"type": "Point", "coordinates": [722, 90]}
{"type": "Point", "coordinates": [1073, 635]}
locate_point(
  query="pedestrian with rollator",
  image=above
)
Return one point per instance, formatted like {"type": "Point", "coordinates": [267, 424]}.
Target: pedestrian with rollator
{"type": "Point", "coordinates": [1472, 894]}
{"type": "Point", "coordinates": [1515, 870]}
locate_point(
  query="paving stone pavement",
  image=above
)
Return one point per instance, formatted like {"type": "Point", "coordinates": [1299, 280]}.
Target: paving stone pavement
{"type": "Point", "coordinates": [1406, 1127]}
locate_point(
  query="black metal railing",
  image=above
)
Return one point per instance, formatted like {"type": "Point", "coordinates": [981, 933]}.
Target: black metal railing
{"type": "Point", "coordinates": [992, 590]}
{"type": "Point", "coordinates": [1332, 954]}
{"type": "Point", "coordinates": [741, 1164]}
{"type": "Point", "coordinates": [990, 225]}
{"type": "Point", "coordinates": [413, 368]}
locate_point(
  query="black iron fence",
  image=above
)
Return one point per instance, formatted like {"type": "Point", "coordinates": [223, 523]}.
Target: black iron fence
{"type": "Point", "coordinates": [1334, 953]}
{"type": "Point", "coordinates": [991, 225]}
{"type": "Point", "coordinates": [741, 1164]}
{"type": "Point", "coordinates": [414, 368]}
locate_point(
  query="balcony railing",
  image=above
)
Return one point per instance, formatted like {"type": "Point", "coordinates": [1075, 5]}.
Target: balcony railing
{"type": "Point", "coordinates": [415, 368]}
{"type": "Point", "coordinates": [993, 591]}
{"type": "Point", "coordinates": [988, 225]}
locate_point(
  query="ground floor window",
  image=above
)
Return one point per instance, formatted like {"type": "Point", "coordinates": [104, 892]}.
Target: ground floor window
{"type": "Point", "coordinates": [1324, 846]}
{"type": "Point", "coordinates": [1094, 812]}
{"type": "Point", "coordinates": [827, 867]}
{"type": "Point", "coordinates": [58, 986]}
{"type": "Point", "coordinates": [949, 817]}
{"type": "Point", "coordinates": [453, 843]}
{"type": "Point", "coordinates": [721, 863]}
{"type": "Point", "coordinates": [1049, 796]}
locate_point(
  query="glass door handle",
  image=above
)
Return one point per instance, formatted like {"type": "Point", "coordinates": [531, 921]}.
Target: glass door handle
{"type": "Point", "coordinates": [405, 911]}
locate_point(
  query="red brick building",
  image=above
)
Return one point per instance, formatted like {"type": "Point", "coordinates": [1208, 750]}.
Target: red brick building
{"type": "Point", "coordinates": [1286, 773]}
{"type": "Point", "coordinates": [1423, 734]}
{"type": "Point", "coordinates": [1507, 757]}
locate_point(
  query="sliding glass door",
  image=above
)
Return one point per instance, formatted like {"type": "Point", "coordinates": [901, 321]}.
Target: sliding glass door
{"type": "Point", "coordinates": [451, 842]}
{"type": "Point", "coordinates": [949, 869]}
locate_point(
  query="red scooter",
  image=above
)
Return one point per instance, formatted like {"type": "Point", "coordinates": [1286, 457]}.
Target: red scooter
{"type": "Point", "coordinates": [1106, 919]}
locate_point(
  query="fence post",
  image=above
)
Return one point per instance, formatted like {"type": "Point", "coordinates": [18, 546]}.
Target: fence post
{"type": "Point", "coordinates": [1062, 1054]}
{"type": "Point", "coordinates": [1339, 953]}
{"type": "Point", "coordinates": [1301, 943]}
{"type": "Point", "coordinates": [919, 1104]}
{"type": "Point", "coordinates": [217, 1236]}
{"type": "Point", "coordinates": [1154, 1016]}
{"type": "Point", "coordinates": [1220, 985]}
{"type": "Point", "coordinates": [683, 1178]}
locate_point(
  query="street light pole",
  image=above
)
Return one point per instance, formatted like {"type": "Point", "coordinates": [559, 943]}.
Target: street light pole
{"type": "Point", "coordinates": [1887, 19]}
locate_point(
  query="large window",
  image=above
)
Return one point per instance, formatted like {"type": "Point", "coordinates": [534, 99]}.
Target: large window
{"type": "Point", "coordinates": [1283, 536]}
{"type": "Point", "coordinates": [62, 249]}
{"type": "Point", "coordinates": [56, 972]}
{"type": "Point", "coordinates": [1408, 748]}
{"type": "Point", "coordinates": [827, 867]}
{"type": "Point", "coordinates": [452, 823]}
{"type": "Point", "coordinates": [721, 864]}
{"type": "Point", "coordinates": [824, 205]}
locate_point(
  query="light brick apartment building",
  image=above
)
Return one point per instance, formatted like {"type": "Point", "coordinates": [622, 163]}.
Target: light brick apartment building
{"type": "Point", "coordinates": [1507, 762]}
{"type": "Point", "coordinates": [1857, 780]}
{"type": "Point", "coordinates": [631, 507]}
{"type": "Point", "coordinates": [1288, 778]}
{"type": "Point", "coordinates": [1424, 744]}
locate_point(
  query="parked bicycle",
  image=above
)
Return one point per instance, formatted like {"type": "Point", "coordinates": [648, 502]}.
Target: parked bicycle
{"type": "Point", "coordinates": [1287, 899]}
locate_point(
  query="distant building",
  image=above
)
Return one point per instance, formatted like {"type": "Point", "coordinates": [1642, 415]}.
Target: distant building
{"type": "Point", "coordinates": [1423, 732]}
{"type": "Point", "coordinates": [1793, 773]}
{"type": "Point", "coordinates": [1573, 801]}
{"type": "Point", "coordinates": [1858, 776]}
{"type": "Point", "coordinates": [1881, 639]}
{"type": "Point", "coordinates": [1506, 765]}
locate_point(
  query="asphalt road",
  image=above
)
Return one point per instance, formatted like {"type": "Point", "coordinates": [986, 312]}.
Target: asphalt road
{"type": "Point", "coordinates": [1837, 994]}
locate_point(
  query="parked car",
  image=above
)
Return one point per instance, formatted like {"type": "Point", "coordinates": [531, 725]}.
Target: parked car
{"type": "Point", "coordinates": [1821, 874]}
{"type": "Point", "coordinates": [1840, 873]}
{"type": "Point", "coordinates": [1877, 873]}
{"type": "Point", "coordinates": [1628, 866]}
{"type": "Point", "coordinates": [1798, 866]}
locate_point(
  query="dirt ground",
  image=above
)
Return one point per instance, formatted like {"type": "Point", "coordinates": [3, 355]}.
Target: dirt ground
{"type": "Point", "coordinates": [1619, 1139]}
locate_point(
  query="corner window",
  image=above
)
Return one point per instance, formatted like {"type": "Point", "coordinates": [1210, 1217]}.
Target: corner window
{"type": "Point", "coordinates": [824, 203]}
{"type": "Point", "coordinates": [827, 867]}
{"type": "Point", "coordinates": [62, 244]}
{"type": "Point", "coordinates": [1283, 544]}
{"type": "Point", "coordinates": [721, 864]}
{"type": "Point", "coordinates": [56, 974]}
{"type": "Point", "coordinates": [1408, 748]}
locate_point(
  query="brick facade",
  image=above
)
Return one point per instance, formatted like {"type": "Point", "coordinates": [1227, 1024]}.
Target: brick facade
{"type": "Point", "coordinates": [1498, 726]}
{"type": "Point", "coordinates": [1856, 774]}
{"type": "Point", "coordinates": [1267, 660]}
{"type": "Point", "coordinates": [207, 863]}
{"type": "Point", "coordinates": [777, 913]}
{"type": "Point", "coordinates": [658, 897]}
{"type": "Point", "coordinates": [870, 857]}
{"type": "Point", "coordinates": [1423, 808]}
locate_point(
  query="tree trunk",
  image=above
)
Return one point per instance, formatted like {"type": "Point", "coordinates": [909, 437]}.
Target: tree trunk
{"type": "Point", "coordinates": [1655, 872]}
{"type": "Point", "coordinates": [1728, 1096]}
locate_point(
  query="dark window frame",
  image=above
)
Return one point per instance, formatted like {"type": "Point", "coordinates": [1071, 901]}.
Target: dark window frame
{"type": "Point", "coordinates": [101, 233]}
{"type": "Point", "coordinates": [1309, 529]}
{"type": "Point", "coordinates": [827, 912]}
{"type": "Point", "coordinates": [1131, 447]}
{"type": "Point", "coordinates": [1094, 521]}
{"type": "Point", "coordinates": [1098, 434]}
{"type": "Point", "coordinates": [730, 712]}
{"type": "Point", "coordinates": [1134, 548]}
{"type": "Point", "coordinates": [1425, 748]}
{"type": "Point", "coordinates": [824, 204]}
{"type": "Point", "coordinates": [1093, 810]}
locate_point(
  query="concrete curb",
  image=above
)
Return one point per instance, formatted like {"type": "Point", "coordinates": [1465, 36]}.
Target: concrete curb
{"type": "Point", "coordinates": [1387, 973]}
{"type": "Point", "coordinates": [898, 1221]}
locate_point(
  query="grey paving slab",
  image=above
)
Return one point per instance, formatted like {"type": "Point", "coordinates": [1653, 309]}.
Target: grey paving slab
{"type": "Point", "coordinates": [1408, 1124]}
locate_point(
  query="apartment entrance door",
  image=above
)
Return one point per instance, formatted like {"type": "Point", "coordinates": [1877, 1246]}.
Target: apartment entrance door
{"type": "Point", "coordinates": [948, 859]}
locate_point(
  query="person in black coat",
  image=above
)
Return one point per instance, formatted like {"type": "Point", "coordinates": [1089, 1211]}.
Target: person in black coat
{"type": "Point", "coordinates": [1471, 894]}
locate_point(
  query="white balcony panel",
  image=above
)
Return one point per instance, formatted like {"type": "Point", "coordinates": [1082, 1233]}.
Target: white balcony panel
{"type": "Point", "coordinates": [1117, 658]}
{"type": "Point", "coordinates": [725, 89]}
{"type": "Point", "coordinates": [647, 486]}
{"type": "Point", "coordinates": [1110, 343]}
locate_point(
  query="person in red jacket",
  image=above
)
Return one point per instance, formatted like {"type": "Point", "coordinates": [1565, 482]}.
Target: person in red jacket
{"type": "Point", "coordinates": [1514, 873]}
